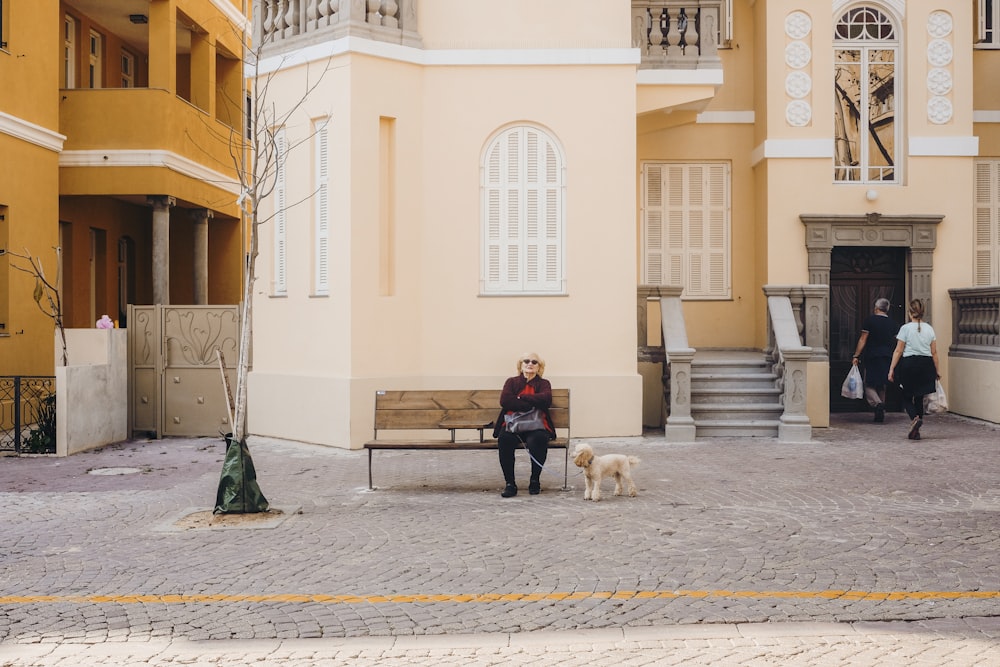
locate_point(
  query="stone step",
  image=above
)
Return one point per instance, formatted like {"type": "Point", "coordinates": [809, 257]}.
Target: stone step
{"type": "Point", "coordinates": [756, 428]}
{"type": "Point", "coordinates": [735, 396]}
{"type": "Point", "coordinates": [740, 412]}
{"type": "Point", "coordinates": [735, 381]}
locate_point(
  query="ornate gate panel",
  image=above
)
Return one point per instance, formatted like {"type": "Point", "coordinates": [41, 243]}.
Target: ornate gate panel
{"type": "Point", "coordinates": [175, 385]}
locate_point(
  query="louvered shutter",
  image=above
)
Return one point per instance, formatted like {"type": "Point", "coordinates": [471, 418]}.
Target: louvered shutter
{"type": "Point", "coordinates": [987, 223]}
{"type": "Point", "coordinates": [981, 20]}
{"type": "Point", "coordinates": [686, 228]}
{"type": "Point", "coordinates": [322, 213]}
{"type": "Point", "coordinates": [543, 191]}
{"type": "Point", "coordinates": [716, 221]}
{"type": "Point", "coordinates": [280, 285]}
{"type": "Point", "coordinates": [523, 213]}
{"type": "Point", "coordinates": [654, 250]}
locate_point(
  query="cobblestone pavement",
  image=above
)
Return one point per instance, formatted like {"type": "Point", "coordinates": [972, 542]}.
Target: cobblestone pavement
{"type": "Point", "coordinates": [861, 547]}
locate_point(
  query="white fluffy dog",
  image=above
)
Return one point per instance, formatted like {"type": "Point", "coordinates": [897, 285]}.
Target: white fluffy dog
{"type": "Point", "coordinates": [596, 468]}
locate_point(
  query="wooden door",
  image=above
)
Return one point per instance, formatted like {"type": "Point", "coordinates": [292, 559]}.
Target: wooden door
{"type": "Point", "coordinates": [859, 276]}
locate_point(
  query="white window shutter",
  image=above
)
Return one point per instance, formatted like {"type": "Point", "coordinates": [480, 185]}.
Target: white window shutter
{"type": "Point", "coordinates": [653, 241]}
{"type": "Point", "coordinates": [727, 26]}
{"type": "Point", "coordinates": [717, 230]}
{"type": "Point", "coordinates": [321, 279]}
{"type": "Point", "coordinates": [522, 214]}
{"type": "Point", "coordinates": [981, 20]}
{"type": "Point", "coordinates": [280, 277]}
{"type": "Point", "coordinates": [987, 223]}
{"type": "Point", "coordinates": [686, 220]}
{"type": "Point", "coordinates": [511, 206]}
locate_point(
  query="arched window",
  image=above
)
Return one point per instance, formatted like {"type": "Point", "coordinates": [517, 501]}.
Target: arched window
{"type": "Point", "coordinates": [523, 213]}
{"type": "Point", "coordinates": [866, 94]}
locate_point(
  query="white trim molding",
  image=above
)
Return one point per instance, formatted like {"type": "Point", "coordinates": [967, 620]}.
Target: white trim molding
{"type": "Point", "coordinates": [682, 77]}
{"type": "Point", "coordinates": [725, 118]}
{"type": "Point", "coordinates": [152, 158]}
{"type": "Point", "coordinates": [986, 116]}
{"type": "Point", "coordinates": [450, 57]}
{"type": "Point", "coordinates": [944, 146]}
{"type": "Point", "coordinates": [235, 16]}
{"type": "Point", "coordinates": [33, 134]}
{"type": "Point", "coordinates": [776, 149]}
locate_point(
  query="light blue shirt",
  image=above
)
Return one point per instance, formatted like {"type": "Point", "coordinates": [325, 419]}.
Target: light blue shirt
{"type": "Point", "coordinates": [918, 343]}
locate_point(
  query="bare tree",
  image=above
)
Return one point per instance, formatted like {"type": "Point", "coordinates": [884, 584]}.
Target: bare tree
{"type": "Point", "coordinates": [259, 161]}
{"type": "Point", "coordinates": [45, 290]}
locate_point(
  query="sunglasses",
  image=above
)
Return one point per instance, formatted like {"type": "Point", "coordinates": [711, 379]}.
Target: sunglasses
{"type": "Point", "coordinates": [529, 361]}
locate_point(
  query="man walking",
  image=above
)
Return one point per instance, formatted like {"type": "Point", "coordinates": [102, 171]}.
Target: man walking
{"type": "Point", "coordinates": [878, 338]}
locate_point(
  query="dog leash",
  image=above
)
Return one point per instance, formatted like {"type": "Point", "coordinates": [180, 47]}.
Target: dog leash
{"type": "Point", "coordinates": [534, 460]}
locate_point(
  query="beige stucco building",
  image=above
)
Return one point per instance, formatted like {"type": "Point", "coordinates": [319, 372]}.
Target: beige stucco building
{"type": "Point", "coordinates": [599, 180]}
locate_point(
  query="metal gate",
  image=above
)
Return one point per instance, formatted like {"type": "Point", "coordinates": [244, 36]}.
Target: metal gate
{"type": "Point", "coordinates": [174, 380]}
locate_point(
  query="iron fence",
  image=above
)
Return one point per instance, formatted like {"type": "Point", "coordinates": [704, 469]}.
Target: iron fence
{"type": "Point", "coordinates": [27, 414]}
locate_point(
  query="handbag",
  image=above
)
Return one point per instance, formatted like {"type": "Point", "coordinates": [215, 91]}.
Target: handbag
{"type": "Point", "coordinates": [937, 402]}
{"type": "Point", "coordinates": [853, 386]}
{"type": "Point", "coordinates": [520, 422]}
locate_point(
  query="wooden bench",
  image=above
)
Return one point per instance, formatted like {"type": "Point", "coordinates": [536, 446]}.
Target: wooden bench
{"type": "Point", "coordinates": [454, 410]}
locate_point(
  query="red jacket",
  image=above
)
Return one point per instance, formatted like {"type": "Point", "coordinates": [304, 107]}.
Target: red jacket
{"type": "Point", "coordinates": [513, 399]}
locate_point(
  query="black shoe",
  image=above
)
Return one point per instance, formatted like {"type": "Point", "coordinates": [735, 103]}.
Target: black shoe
{"type": "Point", "coordinates": [915, 425]}
{"type": "Point", "coordinates": [509, 490]}
{"type": "Point", "coordinates": [534, 488]}
{"type": "Point", "coordinates": [879, 413]}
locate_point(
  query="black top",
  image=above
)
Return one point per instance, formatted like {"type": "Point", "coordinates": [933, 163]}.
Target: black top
{"type": "Point", "coordinates": [881, 336]}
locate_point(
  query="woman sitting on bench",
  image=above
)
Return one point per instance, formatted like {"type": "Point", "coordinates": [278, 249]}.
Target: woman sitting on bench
{"type": "Point", "coordinates": [524, 419]}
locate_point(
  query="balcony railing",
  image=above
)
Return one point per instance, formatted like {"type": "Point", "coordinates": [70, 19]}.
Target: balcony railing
{"type": "Point", "coordinates": [975, 317]}
{"type": "Point", "coordinates": [286, 24]}
{"type": "Point", "coordinates": [670, 34]}
{"type": "Point", "coordinates": [678, 34]}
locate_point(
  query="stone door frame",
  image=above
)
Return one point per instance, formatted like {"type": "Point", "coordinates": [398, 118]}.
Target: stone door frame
{"type": "Point", "coordinates": [917, 233]}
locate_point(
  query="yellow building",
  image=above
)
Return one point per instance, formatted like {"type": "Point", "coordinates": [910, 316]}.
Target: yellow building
{"type": "Point", "coordinates": [474, 180]}
{"type": "Point", "coordinates": [117, 150]}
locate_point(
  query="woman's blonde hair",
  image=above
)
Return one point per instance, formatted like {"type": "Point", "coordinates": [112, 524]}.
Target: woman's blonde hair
{"type": "Point", "coordinates": [917, 311]}
{"type": "Point", "coordinates": [531, 355]}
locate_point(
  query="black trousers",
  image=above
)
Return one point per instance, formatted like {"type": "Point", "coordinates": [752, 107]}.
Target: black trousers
{"type": "Point", "coordinates": [916, 376]}
{"type": "Point", "coordinates": [538, 446]}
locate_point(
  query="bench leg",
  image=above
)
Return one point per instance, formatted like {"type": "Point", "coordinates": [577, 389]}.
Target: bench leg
{"type": "Point", "coordinates": [566, 469]}
{"type": "Point", "coordinates": [369, 470]}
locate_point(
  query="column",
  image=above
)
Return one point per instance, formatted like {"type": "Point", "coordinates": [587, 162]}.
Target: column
{"type": "Point", "coordinates": [203, 76]}
{"type": "Point", "coordinates": [161, 247]}
{"type": "Point", "coordinates": [200, 245]}
{"type": "Point", "coordinates": [163, 45]}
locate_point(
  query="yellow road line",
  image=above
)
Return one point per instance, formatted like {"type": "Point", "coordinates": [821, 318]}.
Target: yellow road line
{"type": "Point", "coordinates": [852, 596]}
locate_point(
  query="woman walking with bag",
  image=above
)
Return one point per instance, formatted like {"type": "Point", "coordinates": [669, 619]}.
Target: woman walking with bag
{"type": "Point", "coordinates": [524, 419]}
{"type": "Point", "coordinates": [914, 365]}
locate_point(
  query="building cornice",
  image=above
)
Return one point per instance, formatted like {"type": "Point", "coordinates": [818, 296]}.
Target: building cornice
{"type": "Point", "coordinates": [944, 146]}
{"type": "Point", "coordinates": [152, 158]}
{"type": "Point", "coordinates": [235, 16]}
{"type": "Point", "coordinates": [34, 134]}
{"type": "Point", "coordinates": [449, 57]}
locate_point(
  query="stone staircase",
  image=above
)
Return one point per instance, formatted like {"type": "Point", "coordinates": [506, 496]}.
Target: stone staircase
{"type": "Point", "coordinates": [734, 393]}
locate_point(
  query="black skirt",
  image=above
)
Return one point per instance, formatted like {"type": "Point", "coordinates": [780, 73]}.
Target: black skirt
{"type": "Point", "coordinates": [916, 376]}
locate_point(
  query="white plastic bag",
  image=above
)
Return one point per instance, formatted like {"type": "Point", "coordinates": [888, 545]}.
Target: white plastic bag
{"type": "Point", "coordinates": [937, 402]}
{"type": "Point", "coordinates": [853, 387]}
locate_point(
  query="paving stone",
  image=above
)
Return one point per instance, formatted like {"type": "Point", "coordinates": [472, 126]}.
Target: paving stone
{"type": "Point", "coordinates": [860, 531]}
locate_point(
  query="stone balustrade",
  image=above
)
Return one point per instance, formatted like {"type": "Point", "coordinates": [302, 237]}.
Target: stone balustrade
{"type": "Point", "coordinates": [975, 322]}
{"type": "Point", "coordinates": [679, 34]}
{"type": "Point", "coordinates": [287, 24]}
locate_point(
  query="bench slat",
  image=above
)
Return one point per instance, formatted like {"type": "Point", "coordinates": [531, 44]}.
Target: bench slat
{"type": "Point", "coordinates": [454, 410]}
{"type": "Point", "coordinates": [558, 443]}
